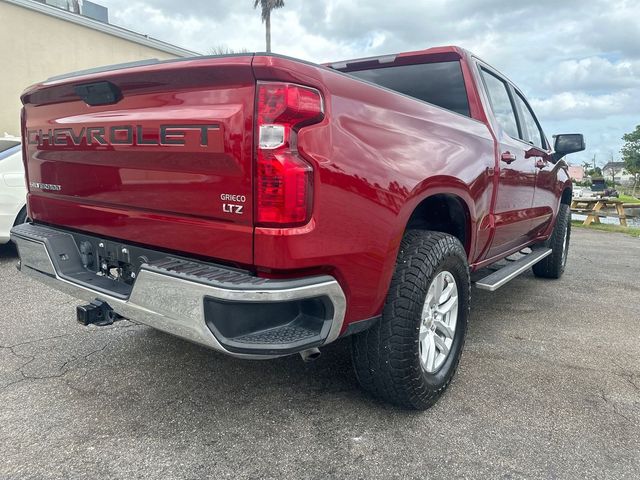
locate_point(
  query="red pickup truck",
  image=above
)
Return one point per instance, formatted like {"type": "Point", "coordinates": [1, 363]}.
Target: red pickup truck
{"type": "Point", "coordinates": [264, 206]}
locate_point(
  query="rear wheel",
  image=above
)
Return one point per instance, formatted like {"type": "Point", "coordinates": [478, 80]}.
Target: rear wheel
{"type": "Point", "coordinates": [553, 265]}
{"type": "Point", "coordinates": [409, 357]}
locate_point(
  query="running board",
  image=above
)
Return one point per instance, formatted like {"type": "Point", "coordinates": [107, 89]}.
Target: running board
{"type": "Point", "coordinates": [507, 273]}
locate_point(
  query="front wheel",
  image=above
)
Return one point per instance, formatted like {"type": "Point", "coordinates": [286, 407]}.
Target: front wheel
{"type": "Point", "coordinates": [409, 357]}
{"type": "Point", "coordinates": [553, 265]}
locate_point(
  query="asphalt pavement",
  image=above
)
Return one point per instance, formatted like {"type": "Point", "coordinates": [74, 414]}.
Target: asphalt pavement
{"type": "Point", "coordinates": [548, 387]}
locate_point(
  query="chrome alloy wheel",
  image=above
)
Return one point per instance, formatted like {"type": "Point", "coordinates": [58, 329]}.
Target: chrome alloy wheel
{"type": "Point", "coordinates": [438, 321]}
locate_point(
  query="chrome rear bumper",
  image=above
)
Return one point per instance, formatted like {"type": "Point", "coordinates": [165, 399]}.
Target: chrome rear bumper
{"type": "Point", "coordinates": [172, 299]}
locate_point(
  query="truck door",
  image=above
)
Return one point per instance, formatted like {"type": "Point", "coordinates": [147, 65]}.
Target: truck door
{"type": "Point", "coordinates": [513, 214]}
{"type": "Point", "coordinates": [545, 197]}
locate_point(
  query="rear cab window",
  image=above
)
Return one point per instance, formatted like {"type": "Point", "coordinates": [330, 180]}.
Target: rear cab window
{"type": "Point", "coordinates": [439, 83]}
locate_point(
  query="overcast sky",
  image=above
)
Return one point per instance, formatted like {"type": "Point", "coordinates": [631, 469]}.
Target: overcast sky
{"type": "Point", "coordinates": [578, 61]}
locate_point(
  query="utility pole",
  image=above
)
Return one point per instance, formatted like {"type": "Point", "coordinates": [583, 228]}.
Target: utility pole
{"type": "Point", "coordinates": [613, 170]}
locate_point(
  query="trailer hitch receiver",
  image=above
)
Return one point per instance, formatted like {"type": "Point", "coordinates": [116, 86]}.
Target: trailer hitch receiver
{"type": "Point", "coordinates": [97, 312]}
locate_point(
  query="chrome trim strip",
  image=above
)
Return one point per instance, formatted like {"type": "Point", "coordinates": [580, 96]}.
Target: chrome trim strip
{"type": "Point", "coordinates": [175, 305]}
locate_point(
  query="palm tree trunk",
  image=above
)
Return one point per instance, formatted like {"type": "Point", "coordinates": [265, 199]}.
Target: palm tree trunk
{"type": "Point", "coordinates": [267, 23]}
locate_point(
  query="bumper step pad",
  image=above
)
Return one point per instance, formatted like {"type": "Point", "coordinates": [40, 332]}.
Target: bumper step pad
{"type": "Point", "coordinates": [278, 336]}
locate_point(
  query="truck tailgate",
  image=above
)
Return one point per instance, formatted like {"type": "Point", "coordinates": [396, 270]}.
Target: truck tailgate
{"type": "Point", "coordinates": [159, 155]}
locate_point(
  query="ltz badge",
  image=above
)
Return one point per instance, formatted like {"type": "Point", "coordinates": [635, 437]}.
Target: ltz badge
{"type": "Point", "coordinates": [233, 207]}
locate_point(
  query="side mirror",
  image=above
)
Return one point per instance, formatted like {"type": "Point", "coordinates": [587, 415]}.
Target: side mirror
{"type": "Point", "coordinates": [567, 143]}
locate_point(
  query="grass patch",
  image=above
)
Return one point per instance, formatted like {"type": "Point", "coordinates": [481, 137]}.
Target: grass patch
{"type": "Point", "coordinates": [604, 227]}
{"type": "Point", "coordinates": [629, 199]}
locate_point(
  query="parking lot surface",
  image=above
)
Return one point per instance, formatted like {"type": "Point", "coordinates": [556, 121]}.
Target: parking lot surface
{"type": "Point", "coordinates": [548, 387]}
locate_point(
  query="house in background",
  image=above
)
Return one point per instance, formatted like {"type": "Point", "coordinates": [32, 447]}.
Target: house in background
{"type": "Point", "coordinates": [41, 39]}
{"type": "Point", "coordinates": [576, 173]}
{"type": "Point", "coordinates": [616, 170]}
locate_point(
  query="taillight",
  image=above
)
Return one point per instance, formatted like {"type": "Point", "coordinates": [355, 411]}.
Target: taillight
{"type": "Point", "coordinates": [284, 180]}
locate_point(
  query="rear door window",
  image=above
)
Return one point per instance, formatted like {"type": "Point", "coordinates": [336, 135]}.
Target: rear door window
{"type": "Point", "coordinates": [440, 83]}
{"type": "Point", "coordinates": [501, 104]}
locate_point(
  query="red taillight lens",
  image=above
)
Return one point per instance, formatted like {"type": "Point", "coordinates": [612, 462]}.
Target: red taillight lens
{"type": "Point", "coordinates": [284, 180]}
{"type": "Point", "coordinates": [288, 104]}
{"type": "Point", "coordinates": [284, 188]}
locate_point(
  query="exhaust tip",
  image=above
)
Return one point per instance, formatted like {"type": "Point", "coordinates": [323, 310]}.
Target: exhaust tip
{"type": "Point", "coordinates": [310, 355]}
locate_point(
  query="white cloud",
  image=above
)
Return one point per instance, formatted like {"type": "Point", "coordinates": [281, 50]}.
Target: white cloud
{"type": "Point", "coordinates": [594, 74]}
{"type": "Point", "coordinates": [578, 61]}
{"type": "Point", "coordinates": [568, 105]}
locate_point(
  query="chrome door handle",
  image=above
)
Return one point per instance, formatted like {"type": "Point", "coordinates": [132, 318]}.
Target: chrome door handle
{"type": "Point", "coordinates": [508, 157]}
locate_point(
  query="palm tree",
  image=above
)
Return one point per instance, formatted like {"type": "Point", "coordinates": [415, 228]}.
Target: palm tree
{"type": "Point", "coordinates": [267, 6]}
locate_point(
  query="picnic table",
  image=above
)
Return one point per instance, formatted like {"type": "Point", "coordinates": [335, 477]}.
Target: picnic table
{"type": "Point", "coordinates": [592, 208]}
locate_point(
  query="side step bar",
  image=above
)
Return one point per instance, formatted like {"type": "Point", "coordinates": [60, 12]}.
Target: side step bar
{"type": "Point", "coordinates": [507, 273]}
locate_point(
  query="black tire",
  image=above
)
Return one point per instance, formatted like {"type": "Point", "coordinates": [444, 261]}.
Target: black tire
{"type": "Point", "coordinates": [22, 217]}
{"type": "Point", "coordinates": [386, 356]}
{"type": "Point", "coordinates": [553, 265]}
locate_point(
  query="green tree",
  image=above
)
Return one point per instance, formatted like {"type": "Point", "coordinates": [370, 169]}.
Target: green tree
{"type": "Point", "coordinates": [631, 155]}
{"type": "Point", "coordinates": [267, 6]}
{"type": "Point", "coordinates": [595, 172]}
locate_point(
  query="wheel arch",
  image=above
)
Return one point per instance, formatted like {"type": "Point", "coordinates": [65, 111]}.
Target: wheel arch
{"type": "Point", "coordinates": [447, 210]}
{"type": "Point", "coordinates": [416, 213]}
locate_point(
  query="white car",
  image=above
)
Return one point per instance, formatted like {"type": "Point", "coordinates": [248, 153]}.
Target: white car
{"type": "Point", "coordinates": [13, 189]}
{"type": "Point", "coordinates": [582, 192]}
{"type": "Point", "coordinates": [577, 191]}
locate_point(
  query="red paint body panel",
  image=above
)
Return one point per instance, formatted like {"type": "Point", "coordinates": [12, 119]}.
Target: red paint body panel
{"type": "Point", "coordinates": [165, 195]}
{"type": "Point", "coordinates": [375, 156]}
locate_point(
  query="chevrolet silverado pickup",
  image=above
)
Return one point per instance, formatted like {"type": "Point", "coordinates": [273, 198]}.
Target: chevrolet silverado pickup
{"type": "Point", "coordinates": [264, 206]}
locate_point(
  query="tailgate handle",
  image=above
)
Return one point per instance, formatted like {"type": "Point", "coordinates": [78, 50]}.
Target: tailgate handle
{"type": "Point", "coordinates": [99, 93]}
